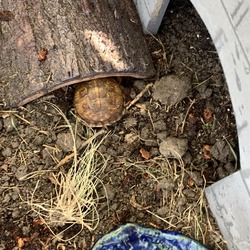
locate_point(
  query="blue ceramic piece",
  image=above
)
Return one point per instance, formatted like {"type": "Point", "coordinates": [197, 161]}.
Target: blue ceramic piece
{"type": "Point", "coordinates": [135, 237]}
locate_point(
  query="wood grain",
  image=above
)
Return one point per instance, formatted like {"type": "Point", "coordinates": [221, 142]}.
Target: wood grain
{"type": "Point", "coordinates": [103, 40]}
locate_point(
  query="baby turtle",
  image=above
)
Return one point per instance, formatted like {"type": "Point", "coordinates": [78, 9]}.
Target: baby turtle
{"type": "Point", "coordinates": [99, 102]}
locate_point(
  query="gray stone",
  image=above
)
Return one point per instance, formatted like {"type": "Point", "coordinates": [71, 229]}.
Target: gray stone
{"type": "Point", "coordinates": [196, 176]}
{"type": "Point", "coordinates": [160, 125]}
{"type": "Point", "coordinates": [170, 90]}
{"type": "Point", "coordinates": [65, 141]}
{"type": "Point", "coordinates": [10, 123]}
{"type": "Point", "coordinates": [173, 147]}
{"type": "Point", "coordinates": [21, 172]}
{"type": "Point", "coordinates": [162, 211]}
{"type": "Point", "coordinates": [7, 152]}
{"type": "Point", "coordinates": [221, 151]}
{"type": "Point", "coordinates": [130, 122]}
{"type": "Point", "coordinates": [132, 138]}
{"type": "Point", "coordinates": [139, 85]}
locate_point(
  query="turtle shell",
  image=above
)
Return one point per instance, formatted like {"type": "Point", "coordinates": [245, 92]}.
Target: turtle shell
{"type": "Point", "coordinates": [99, 102]}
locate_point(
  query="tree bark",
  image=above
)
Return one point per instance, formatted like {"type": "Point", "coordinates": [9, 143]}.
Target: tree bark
{"type": "Point", "coordinates": [80, 40]}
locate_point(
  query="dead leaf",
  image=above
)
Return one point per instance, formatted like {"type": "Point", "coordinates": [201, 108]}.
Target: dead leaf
{"type": "Point", "coordinates": [5, 167]}
{"type": "Point", "coordinates": [145, 175]}
{"type": "Point", "coordinates": [37, 222]}
{"type": "Point", "coordinates": [208, 115]}
{"type": "Point", "coordinates": [191, 119]}
{"type": "Point", "coordinates": [145, 154]}
{"type": "Point", "coordinates": [191, 182]}
{"type": "Point", "coordinates": [206, 151]}
{"type": "Point", "coordinates": [42, 54]}
{"type": "Point", "coordinates": [21, 242]}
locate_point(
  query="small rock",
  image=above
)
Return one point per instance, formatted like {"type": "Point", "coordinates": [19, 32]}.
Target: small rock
{"type": "Point", "coordinates": [165, 184]}
{"type": "Point", "coordinates": [132, 138]}
{"type": "Point", "coordinates": [189, 193]}
{"type": "Point", "coordinates": [162, 135]}
{"type": "Point", "coordinates": [139, 85]}
{"type": "Point", "coordinates": [10, 123]}
{"type": "Point", "coordinates": [206, 94]}
{"type": "Point", "coordinates": [26, 230]}
{"type": "Point", "coordinates": [220, 151]}
{"type": "Point", "coordinates": [181, 202]}
{"type": "Point", "coordinates": [160, 126]}
{"type": "Point", "coordinates": [16, 213]}
{"type": "Point", "coordinates": [154, 151]}
{"type": "Point", "coordinates": [6, 198]}
{"type": "Point", "coordinates": [162, 211]}
{"type": "Point", "coordinates": [196, 176]}
{"type": "Point", "coordinates": [130, 122]}
{"type": "Point", "coordinates": [170, 90]}
{"type": "Point", "coordinates": [65, 141]}
{"type": "Point", "coordinates": [230, 168]}
{"type": "Point", "coordinates": [221, 172]}
{"type": "Point", "coordinates": [15, 144]}
{"type": "Point", "coordinates": [20, 172]}
{"type": "Point", "coordinates": [145, 133]}
{"type": "Point", "coordinates": [110, 192]}
{"type": "Point", "coordinates": [173, 147]}
{"type": "Point", "coordinates": [7, 152]}
{"type": "Point", "coordinates": [39, 139]}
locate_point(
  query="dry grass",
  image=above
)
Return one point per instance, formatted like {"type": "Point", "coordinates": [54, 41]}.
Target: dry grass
{"type": "Point", "coordinates": [191, 218]}
{"type": "Point", "coordinates": [76, 192]}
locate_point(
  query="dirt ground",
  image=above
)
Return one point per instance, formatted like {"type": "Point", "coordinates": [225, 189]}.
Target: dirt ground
{"type": "Point", "coordinates": [144, 181]}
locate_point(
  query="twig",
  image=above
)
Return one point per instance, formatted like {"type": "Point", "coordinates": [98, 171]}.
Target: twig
{"type": "Point", "coordinates": [185, 118]}
{"type": "Point", "coordinates": [136, 99]}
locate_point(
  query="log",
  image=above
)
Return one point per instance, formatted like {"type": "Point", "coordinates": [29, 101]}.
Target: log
{"type": "Point", "coordinates": [47, 44]}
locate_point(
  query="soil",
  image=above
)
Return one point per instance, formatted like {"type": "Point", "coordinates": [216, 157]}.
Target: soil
{"type": "Point", "coordinates": [170, 145]}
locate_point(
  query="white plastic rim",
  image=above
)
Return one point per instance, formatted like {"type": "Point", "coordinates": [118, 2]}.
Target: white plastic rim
{"type": "Point", "coordinates": [228, 22]}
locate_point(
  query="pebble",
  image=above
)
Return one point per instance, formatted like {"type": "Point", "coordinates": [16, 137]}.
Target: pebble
{"type": "Point", "coordinates": [220, 151]}
{"type": "Point", "coordinates": [7, 152]}
{"type": "Point", "coordinates": [15, 214]}
{"type": "Point", "coordinates": [229, 167]}
{"type": "Point", "coordinates": [139, 85]}
{"type": "Point", "coordinates": [130, 122]}
{"type": "Point", "coordinates": [26, 230]}
{"type": "Point", "coordinates": [196, 176]}
{"type": "Point", "coordinates": [65, 141]}
{"type": "Point", "coordinates": [110, 191]}
{"type": "Point", "coordinates": [162, 211]}
{"type": "Point", "coordinates": [170, 90]}
{"type": "Point", "coordinates": [173, 147]}
{"type": "Point", "coordinates": [39, 139]}
{"type": "Point", "coordinates": [15, 144]}
{"type": "Point", "coordinates": [160, 126]}
{"type": "Point", "coordinates": [132, 139]}
{"type": "Point", "coordinates": [162, 135]}
{"type": "Point", "coordinates": [21, 172]}
{"type": "Point", "coordinates": [221, 172]}
{"type": "Point", "coordinates": [6, 198]}
{"type": "Point", "coordinates": [189, 193]}
{"type": "Point", "coordinates": [10, 123]}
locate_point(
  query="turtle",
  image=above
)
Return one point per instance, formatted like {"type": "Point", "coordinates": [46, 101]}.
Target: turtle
{"type": "Point", "coordinates": [99, 102]}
